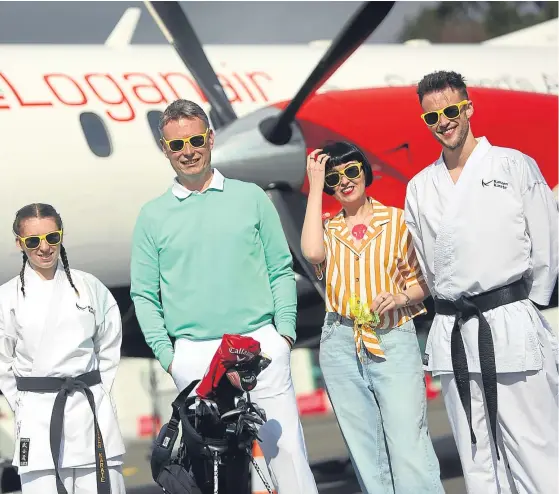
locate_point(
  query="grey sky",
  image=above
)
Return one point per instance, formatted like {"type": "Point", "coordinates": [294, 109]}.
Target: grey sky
{"type": "Point", "coordinates": [215, 22]}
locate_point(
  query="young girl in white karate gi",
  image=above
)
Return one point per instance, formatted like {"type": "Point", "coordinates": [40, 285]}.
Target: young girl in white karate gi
{"type": "Point", "coordinates": [60, 337]}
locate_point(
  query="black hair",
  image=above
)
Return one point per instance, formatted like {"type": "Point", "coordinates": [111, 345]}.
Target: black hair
{"type": "Point", "coordinates": [341, 152]}
{"type": "Point", "coordinates": [438, 81]}
{"type": "Point", "coordinates": [39, 210]}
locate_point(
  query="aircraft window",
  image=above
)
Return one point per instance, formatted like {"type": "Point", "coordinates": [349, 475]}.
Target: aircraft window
{"type": "Point", "coordinates": [153, 120]}
{"type": "Point", "coordinates": [96, 134]}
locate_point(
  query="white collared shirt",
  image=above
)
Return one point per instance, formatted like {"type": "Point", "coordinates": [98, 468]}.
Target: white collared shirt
{"type": "Point", "coordinates": [181, 192]}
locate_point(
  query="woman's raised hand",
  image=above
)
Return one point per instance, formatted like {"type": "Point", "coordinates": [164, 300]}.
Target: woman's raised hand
{"type": "Point", "coordinates": [316, 165]}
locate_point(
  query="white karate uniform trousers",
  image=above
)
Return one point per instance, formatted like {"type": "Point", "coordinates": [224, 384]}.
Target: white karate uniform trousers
{"type": "Point", "coordinates": [283, 443]}
{"type": "Point", "coordinates": [76, 481]}
{"type": "Point", "coordinates": [527, 432]}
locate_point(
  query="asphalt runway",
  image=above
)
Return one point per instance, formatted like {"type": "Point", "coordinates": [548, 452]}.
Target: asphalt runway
{"type": "Point", "coordinates": [327, 454]}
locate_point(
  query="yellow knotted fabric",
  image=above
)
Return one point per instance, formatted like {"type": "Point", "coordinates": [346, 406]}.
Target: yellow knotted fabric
{"type": "Point", "coordinates": [364, 322]}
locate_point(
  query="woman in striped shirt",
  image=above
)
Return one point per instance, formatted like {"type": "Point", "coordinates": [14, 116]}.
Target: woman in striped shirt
{"type": "Point", "coordinates": [369, 353]}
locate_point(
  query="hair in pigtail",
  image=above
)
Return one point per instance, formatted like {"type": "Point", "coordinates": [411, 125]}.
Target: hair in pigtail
{"type": "Point", "coordinates": [66, 265]}
{"type": "Point", "coordinates": [22, 272]}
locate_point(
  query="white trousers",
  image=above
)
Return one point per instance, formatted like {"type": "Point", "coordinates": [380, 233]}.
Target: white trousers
{"type": "Point", "coordinates": [76, 481]}
{"type": "Point", "coordinates": [527, 432]}
{"type": "Point", "coordinates": [282, 437]}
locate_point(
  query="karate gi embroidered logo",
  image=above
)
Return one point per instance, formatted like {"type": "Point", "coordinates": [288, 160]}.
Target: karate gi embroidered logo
{"type": "Point", "coordinates": [87, 307]}
{"type": "Point", "coordinates": [23, 451]}
{"type": "Point", "coordinates": [496, 183]}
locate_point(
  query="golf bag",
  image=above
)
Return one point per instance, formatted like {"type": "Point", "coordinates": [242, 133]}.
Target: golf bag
{"type": "Point", "coordinates": [218, 425]}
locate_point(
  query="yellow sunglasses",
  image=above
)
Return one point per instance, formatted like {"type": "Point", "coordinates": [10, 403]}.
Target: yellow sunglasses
{"type": "Point", "coordinates": [451, 112]}
{"type": "Point", "coordinates": [196, 141]}
{"type": "Point", "coordinates": [33, 241]}
{"type": "Point", "coordinates": [351, 171]}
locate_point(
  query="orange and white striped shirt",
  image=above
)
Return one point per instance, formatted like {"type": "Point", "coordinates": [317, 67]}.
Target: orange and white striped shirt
{"type": "Point", "coordinates": [384, 262]}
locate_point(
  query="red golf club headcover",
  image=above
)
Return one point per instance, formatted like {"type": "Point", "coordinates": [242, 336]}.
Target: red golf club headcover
{"type": "Point", "coordinates": [233, 349]}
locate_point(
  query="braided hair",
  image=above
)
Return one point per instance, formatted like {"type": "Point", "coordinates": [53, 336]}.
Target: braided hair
{"type": "Point", "coordinates": [66, 265]}
{"type": "Point", "coordinates": [40, 210]}
{"type": "Point", "coordinates": [22, 272]}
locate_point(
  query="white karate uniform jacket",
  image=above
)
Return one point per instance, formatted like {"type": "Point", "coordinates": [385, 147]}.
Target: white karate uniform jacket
{"type": "Point", "coordinates": [497, 224]}
{"type": "Point", "coordinates": [52, 333]}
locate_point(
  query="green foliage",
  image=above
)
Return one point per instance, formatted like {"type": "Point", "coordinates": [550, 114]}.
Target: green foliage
{"type": "Point", "coordinates": [473, 22]}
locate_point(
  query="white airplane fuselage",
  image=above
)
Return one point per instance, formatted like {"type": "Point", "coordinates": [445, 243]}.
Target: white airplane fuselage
{"type": "Point", "coordinates": [45, 89]}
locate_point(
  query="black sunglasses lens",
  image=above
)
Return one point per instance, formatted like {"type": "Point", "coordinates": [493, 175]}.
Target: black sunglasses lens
{"type": "Point", "coordinates": [452, 111]}
{"type": "Point", "coordinates": [197, 141]}
{"type": "Point", "coordinates": [352, 171]}
{"type": "Point", "coordinates": [176, 145]}
{"type": "Point", "coordinates": [53, 238]}
{"type": "Point", "coordinates": [332, 180]}
{"type": "Point", "coordinates": [32, 242]}
{"type": "Point", "coordinates": [431, 118]}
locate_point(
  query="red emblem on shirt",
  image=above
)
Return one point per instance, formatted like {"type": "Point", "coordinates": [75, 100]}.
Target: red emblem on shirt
{"type": "Point", "coordinates": [358, 231]}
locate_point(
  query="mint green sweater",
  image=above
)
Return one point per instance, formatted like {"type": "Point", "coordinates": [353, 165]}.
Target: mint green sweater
{"type": "Point", "coordinates": [210, 264]}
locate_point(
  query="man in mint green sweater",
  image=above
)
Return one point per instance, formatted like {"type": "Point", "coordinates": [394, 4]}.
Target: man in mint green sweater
{"type": "Point", "coordinates": [209, 257]}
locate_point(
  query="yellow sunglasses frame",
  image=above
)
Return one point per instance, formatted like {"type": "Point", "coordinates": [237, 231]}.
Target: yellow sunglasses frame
{"type": "Point", "coordinates": [440, 112]}
{"type": "Point", "coordinates": [41, 238]}
{"type": "Point", "coordinates": [187, 139]}
{"type": "Point", "coordinates": [342, 172]}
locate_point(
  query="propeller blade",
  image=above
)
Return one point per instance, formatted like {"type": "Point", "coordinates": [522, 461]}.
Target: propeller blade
{"type": "Point", "coordinates": [178, 31]}
{"type": "Point", "coordinates": [355, 32]}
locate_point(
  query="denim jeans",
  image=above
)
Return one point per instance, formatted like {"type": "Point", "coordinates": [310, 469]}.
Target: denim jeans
{"type": "Point", "coordinates": [381, 408]}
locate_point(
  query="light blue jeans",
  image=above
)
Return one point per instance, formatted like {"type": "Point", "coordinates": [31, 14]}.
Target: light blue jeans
{"type": "Point", "coordinates": [381, 408]}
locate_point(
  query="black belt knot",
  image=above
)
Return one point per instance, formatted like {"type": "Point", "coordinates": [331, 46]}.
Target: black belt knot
{"type": "Point", "coordinates": [464, 309]}
{"type": "Point", "coordinates": [71, 385]}
{"type": "Point", "coordinates": [65, 387]}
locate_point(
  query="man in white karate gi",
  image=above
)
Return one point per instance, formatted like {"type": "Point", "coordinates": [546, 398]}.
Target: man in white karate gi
{"type": "Point", "coordinates": [484, 224]}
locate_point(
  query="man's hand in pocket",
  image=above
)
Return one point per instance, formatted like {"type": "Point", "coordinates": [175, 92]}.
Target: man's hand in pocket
{"type": "Point", "coordinates": [289, 341]}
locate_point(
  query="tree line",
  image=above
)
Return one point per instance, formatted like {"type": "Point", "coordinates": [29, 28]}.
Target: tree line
{"type": "Point", "coordinates": [474, 22]}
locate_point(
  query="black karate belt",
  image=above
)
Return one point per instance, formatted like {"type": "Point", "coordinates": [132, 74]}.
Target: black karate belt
{"type": "Point", "coordinates": [464, 309]}
{"type": "Point", "coordinates": [65, 387]}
